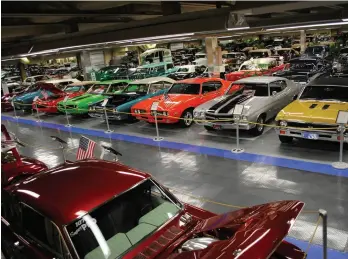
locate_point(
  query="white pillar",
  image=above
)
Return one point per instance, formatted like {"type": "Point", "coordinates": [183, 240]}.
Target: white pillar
{"type": "Point", "coordinates": [214, 55]}
{"type": "Point", "coordinates": [303, 40]}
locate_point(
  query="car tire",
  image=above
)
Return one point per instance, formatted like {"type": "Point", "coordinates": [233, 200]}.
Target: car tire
{"type": "Point", "coordinates": [186, 119]}
{"type": "Point", "coordinates": [258, 129]}
{"type": "Point", "coordinates": [285, 139]}
{"type": "Point", "coordinates": [208, 128]}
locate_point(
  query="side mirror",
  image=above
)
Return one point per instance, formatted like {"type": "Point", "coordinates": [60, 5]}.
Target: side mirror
{"type": "Point", "coordinates": [274, 93]}
{"type": "Point", "coordinates": [295, 97]}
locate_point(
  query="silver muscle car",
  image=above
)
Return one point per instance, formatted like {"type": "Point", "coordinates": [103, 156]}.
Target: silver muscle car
{"type": "Point", "coordinates": [262, 97]}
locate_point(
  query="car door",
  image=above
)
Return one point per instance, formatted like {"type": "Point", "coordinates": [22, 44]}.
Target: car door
{"type": "Point", "coordinates": [280, 96]}
{"type": "Point", "coordinates": [210, 90]}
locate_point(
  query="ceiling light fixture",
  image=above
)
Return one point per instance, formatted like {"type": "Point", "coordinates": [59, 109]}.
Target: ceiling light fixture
{"type": "Point", "coordinates": [345, 19]}
{"type": "Point", "coordinates": [238, 28]}
{"type": "Point", "coordinates": [307, 26]}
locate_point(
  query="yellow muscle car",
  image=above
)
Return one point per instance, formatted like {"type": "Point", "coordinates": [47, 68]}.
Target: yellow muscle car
{"type": "Point", "coordinates": [313, 114]}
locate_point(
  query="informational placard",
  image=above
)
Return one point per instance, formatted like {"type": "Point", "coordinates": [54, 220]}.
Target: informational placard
{"type": "Point", "coordinates": [35, 99]}
{"type": "Point", "coordinates": [238, 109]}
{"type": "Point", "coordinates": [65, 98]}
{"type": "Point", "coordinates": [104, 102]}
{"type": "Point", "coordinates": [154, 106]}
{"type": "Point", "coordinates": [342, 117]}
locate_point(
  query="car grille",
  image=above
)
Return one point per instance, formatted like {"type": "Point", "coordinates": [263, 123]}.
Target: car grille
{"type": "Point", "coordinates": [223, 118]}
{"type": "Point", "coordinates": [312, 126]}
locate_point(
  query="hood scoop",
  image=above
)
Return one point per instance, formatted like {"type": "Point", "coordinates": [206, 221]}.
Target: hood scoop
{"type": "Point", "coordinates": [313, 106]}
{"type": "Point", "coordinates": [326, 106]}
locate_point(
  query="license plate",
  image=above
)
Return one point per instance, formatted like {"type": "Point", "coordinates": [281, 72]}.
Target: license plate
{"type": "Point", "coordinates": [309, 135]}
{"type": "Point", "coordinates": [217, 127]}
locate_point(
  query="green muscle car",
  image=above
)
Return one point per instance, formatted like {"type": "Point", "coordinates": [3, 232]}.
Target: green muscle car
{"type": "Point", "coordinates": [80, 105]}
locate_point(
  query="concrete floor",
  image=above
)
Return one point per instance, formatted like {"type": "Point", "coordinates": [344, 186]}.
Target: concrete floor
{"type": "Point", "coordinates": [216, 179]}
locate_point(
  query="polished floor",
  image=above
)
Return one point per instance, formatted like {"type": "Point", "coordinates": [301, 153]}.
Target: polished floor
{"type": "Point", "coordinates": [220, 183]}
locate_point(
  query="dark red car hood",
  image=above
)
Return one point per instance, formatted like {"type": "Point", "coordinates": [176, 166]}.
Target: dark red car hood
{"type": "Point", "coordinates": [257, 231]}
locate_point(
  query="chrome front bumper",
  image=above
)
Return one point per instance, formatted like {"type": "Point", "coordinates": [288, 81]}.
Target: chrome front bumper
{"type": "Point", "coordinates": [317, 135]}
{"type": "Point", "coordinates": [225, 125]}
{"type": "Point", "coordinates": [110, 116]}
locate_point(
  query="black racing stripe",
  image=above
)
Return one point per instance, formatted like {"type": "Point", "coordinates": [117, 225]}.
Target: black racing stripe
{"type": "Point", "coordinates": [231, 105]}
{"type": "Point", "coordinates": [222, 102]}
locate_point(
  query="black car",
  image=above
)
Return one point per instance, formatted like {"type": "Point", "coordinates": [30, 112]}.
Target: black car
{"type": "Point", "coordinates": [187, 71]}
{"type": "Point", "coordinates": [302, 69]}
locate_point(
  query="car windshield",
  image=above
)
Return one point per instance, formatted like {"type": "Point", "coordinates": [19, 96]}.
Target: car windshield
{"type": "Point", "coordinates": [258, 54]}
{"type": "Point", "coordinates": [117, 226]}
{"type": "Point", "coordinates": [109, 69]}
{"type": "Point", "coordinates": [254, 89]}
{"type": "Point", "coordinates": [329, 93]}
{"type": "Point", "coordinates": [72, 88]}
{"type": "Point", "coordinates": [304, 64]}
{"type": "Point", "coordinates": [314, 50]}
{"type": "Point", "coordinates": [229, 55]}
{"type": "Point", "coordinates": [185, 88]}
{"type": "Point", "coordinates": [283, 51]}
{"type": "Point", "coordinates": [138, 88]}
{"type": "Point", "coordinates": [98, 89]}
{"type": "Point", "coordinates": [183, 69]}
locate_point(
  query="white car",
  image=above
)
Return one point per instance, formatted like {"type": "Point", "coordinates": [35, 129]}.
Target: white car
{"type": "Point", "coordinates": [33, 79]}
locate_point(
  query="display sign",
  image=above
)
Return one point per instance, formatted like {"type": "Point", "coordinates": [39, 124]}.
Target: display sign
{"type": "Point", "coordinates": [104, 102]}
{"type": "Point", "coordinates": [154, 106]}
{"type": "Point", "coordinates": [175, 46]}
{"type": "Point", "coordinates": [66, 98]}
{"type": "Point", "coordinates": [238, 109]}
{"type": "Point", "coordinates": [342, 117]}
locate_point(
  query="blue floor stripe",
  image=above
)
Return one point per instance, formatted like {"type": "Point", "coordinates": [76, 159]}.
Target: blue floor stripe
{"type": "Point", "coordinates": [316, 251]}
{"type": "Point", "coordinates": [326, 169]}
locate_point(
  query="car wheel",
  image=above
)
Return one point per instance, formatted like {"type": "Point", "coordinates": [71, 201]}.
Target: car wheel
{"type": "Point", "coordinates": [186, 119]}
{"type": "Point", "coordinates": [208, 128]}
{"type": "Point", "coordinates": [259, 128]}
{"type": "Point", "coordinates": [285, 139]}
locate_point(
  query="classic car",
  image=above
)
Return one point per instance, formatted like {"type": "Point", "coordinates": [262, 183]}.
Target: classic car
{"type": "Point", "coordinates": [49, 104]}
{"type": "Point", "coordinates": [234, 59]}
{"type": "Point", "coordinates": [287, 53]}
{"type": "Point", "coordinates": [178, 103]}
{"type": "Point", "coordinates": [302, 69]}
{"type": "Point", "coordinates": [200, 59]}
{"type": "Point", "coordinates": [256, 67]}
{"type": "Point", "coordinates": [6, 99]}
{"type": "Point", "coordinates": [187, 71]}
{"type": "Point", "coordinates": [15, 167]}
{"type": "Point", "coordinates": [119, 105]}
{"type": "Point", "coordinates": [157, 55]}
{"type": "Point", "coordinates": [316, 107]}
{"type": "Point", "coordinates": [80, 105]}
{"type": "Point", "coordinates": [262, 97]}
{"type": "Point", "coordinates": [132, 216]}
{"type": "Point", "coordinates": [112, 73]}
{"type": "Point", "coordinates": [317, 51]}
{"type": "Point", "coordinates": [152, 70]}
{"type": "Point", "coordinates": [33, 79]}
{"type": "Point", "coordinates": [260, 53]}
{"type": "Point", "coordinates": [25, 100]}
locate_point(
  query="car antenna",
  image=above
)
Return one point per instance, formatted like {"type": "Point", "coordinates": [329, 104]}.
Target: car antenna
{"type": "Point", "coordinates": [110, 150]}
{"type": "Point", "coordinates": [62, 144]}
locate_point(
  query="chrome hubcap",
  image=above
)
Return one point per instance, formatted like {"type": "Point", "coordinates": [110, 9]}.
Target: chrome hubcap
{"type": "Point", "coordinates": [188, 118]}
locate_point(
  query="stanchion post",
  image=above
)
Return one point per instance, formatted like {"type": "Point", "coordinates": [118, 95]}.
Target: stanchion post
{"type": "Point", "coordinates": [14, 108]}
{"type": "Point", "coordinates": [66, 113]}
{"type": "Point", "coordinates": [154, 107]}
{"type": "Point", "coordinates": [237, 113]}
{"type": "Point", "coordinates": [106, 116]}
{"type": "Point", "coordinates": [37, 111]}
{"type": "Point", "coordinates": [323, 215]}
{"type": "Point", "coordinates": [342, 120]}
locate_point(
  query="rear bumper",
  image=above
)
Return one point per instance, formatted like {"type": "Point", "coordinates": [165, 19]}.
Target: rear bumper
{"type": "Point", "coordinates": [319, 135]}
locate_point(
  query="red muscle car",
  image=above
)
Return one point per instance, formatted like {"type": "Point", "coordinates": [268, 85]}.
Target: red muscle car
{"type": "Point", "coordinates": [15, 167]}
{"type": "Point", "coordinates": [101, 209]}
{"type": "Point", "coordinates": [49, 105]}
{"type": "Point", "coordinates": [180, 100]}
{"type": "Point", "coordinates": [256, 67]}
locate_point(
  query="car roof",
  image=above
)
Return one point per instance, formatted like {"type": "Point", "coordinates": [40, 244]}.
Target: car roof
{"type": "Point", "coordinates": [330, 81]}
{"type": "Point", "coordinates": [56, 81]}
{"type": "Point", "coordinates": [81, 83]}
{"type": "Point", "coordinates": [200, 80]}
{"type": "Point", "coordinates": [112, 81]}
{"type": "Point", "coordinates": [259, 79]}
{"type": "Point", "coordinates": [151, 80]}
{"type": "Point", "coordinates": [61, 192]}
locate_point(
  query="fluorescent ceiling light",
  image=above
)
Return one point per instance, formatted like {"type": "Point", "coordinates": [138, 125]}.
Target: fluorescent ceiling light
{"type": "Point", "coordinates": [345, 19]}
{"type": "Point", "coordinates": [307, 26]}
{"type": "Point", "coordinates": [222, 37]}
{"type": "Point", "coordinates": [238, 28]}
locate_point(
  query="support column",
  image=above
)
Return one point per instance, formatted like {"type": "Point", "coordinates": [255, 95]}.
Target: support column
{"type": "Point", "coordinates": [22, 72]}
{"type": "Point", "coordinates": [214, 56]}
{"type": "Point", "coordinates": [303, 40]}
{"type": "Point", "coordinates": [86, 65]}
{"type": "Point", "coordinates": [107, 56]}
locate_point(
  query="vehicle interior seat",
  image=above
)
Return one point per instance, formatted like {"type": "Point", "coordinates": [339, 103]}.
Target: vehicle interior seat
{"type": "Point", "coordinates": [139, 232]}
{"type": "Point", "coordinates": [160, 214]}
{"type": "Point", "coordinates": [118, 244]}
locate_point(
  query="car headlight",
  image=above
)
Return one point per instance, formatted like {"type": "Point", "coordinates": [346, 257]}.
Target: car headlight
{"type": "Point", "coordinates": [199, 113]}
{"type": "Point", "coordinates": [244, 118]}
{"type": "Point", "coordinates": [283, 123]}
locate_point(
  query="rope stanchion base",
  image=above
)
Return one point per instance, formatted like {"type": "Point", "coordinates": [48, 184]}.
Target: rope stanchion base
{"type": "Point", "coordinates": [109, 131]}
{"type": "Point", "coordinates": [340, 165]}
{"type": "Point", "coordinates": [158, 138]}
{"type": "Point", "coordinates": [237, 150]}
{"type": "Point", "coordinates": [68, 125]}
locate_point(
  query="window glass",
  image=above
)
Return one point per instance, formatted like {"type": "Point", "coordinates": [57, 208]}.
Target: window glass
{"type": "Point", "coordinates": [116, 227]}
{"type": "Point", "coordinates": [41, 229]}
{"type": "Point", "coordinates": [116, 87]}
{"type": "Point", "coordinates": [138, 88]}
{"type": "Point", "coordinates": [182, 70]}
{"type": "Point", "coordinates": [160, 69]}
{"type": "Point", "coordinates": [98, 89]}
{"type": "Point", "coordinates": [255, 89]}
{"type": "Point", "coordinates": [325, 93]}
{"type": "Point", "coordinates": [73, 89]}
{"type": "Point", "coordinates": [156, 87]}
{"type": "Point", "coordinates": [184, 88]}
{"type": "Point", "coordinates": [169, 66]}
